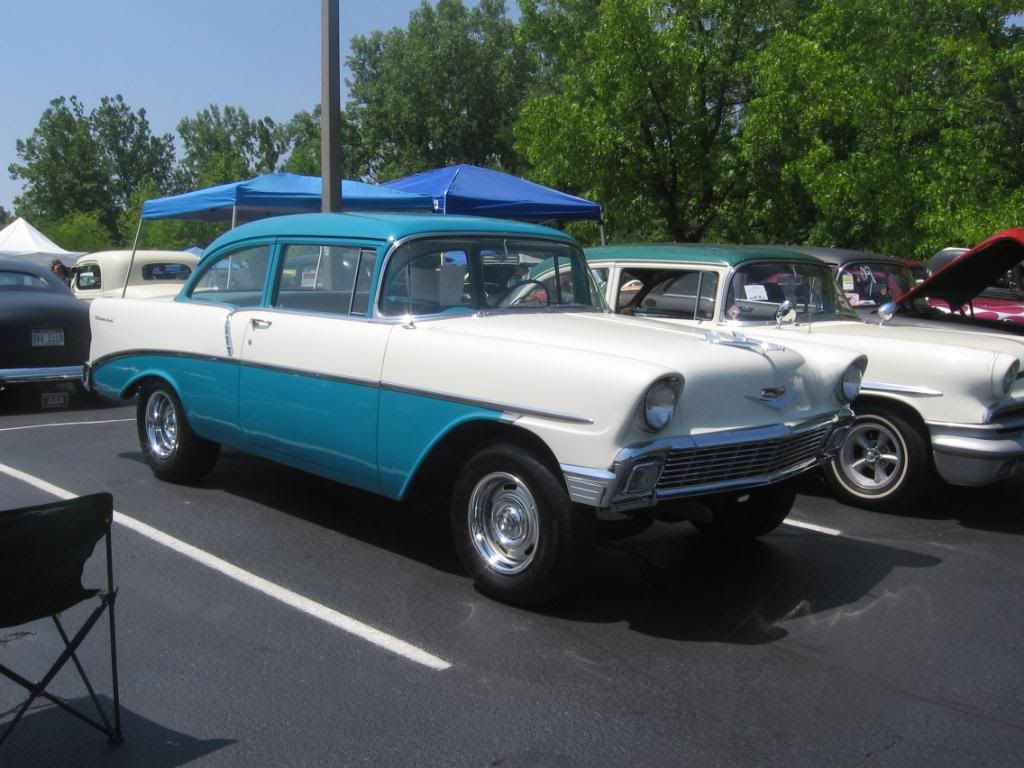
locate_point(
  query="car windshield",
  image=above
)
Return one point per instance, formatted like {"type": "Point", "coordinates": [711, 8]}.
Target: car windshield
{"type": "Point", "coordinates": [757, 290]}
{"type": "Point", "coordinates": [467, 274]}
{"type": "Point", "coordinates": [869, 284]}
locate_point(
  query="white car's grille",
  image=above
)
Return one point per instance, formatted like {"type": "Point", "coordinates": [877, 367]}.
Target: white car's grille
{"type": "Point", "coordinates": [741, 461]}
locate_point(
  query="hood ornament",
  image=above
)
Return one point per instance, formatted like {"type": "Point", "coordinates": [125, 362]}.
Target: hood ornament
{"type": "Point", "coordinates": [737, 339]}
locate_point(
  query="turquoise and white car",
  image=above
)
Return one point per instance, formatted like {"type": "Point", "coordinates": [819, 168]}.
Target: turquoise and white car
{"type": "Point", "coordinates": [396, 354]}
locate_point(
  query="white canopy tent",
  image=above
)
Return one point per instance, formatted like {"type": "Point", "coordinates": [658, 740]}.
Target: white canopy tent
{"type": "Point", "coordinates": [21, 240]}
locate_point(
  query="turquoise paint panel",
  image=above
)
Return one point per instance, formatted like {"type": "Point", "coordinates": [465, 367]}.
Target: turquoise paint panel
{"type": "Point", "coordinates": [318, 421]}
{"type": "Point", "coordinates": [410, 425]}
{"type": "Point", "coordinates": [208, 388]}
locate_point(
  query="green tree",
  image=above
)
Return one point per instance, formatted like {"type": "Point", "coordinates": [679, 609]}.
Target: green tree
{"type": "Point", "coordinates": [302, 140]}
{"type": "Point", "coordinates": [88, 163]}
{"type": "Point", "coordinates": [80, 231]}
{"type": "Point", "coordinates": [221, 146]}
{"type": "Point", "coordinates": [163, 233]}
{"type": "Point", "coordinates": [5, 217]}
{"type": "Point", "coordinates": [646, 107]}
{"type": "Point", "coordinates": [445, 90]}
{"type": "Point", "coordinates": [902, 124]}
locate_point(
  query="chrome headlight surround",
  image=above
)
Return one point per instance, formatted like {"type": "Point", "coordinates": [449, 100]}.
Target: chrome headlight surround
{"type": "Point", "coordinates": [659, 403]}
{"type": "Point", "coordinates": [849, 384]}
{"type": "Point", "coordinates": [1003, 378]}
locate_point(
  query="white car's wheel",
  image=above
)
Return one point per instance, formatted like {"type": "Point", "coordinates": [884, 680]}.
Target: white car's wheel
{"type": "Point", "coordinates": [883, 462]}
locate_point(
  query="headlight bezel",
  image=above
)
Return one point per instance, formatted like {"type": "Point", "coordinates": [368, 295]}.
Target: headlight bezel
{"type": "Point", "coordinates": [1002, 385]}
{"type": "Point", "coordinates": [672, 385]}
{"type": "Point", "coordinates": [849, 385]}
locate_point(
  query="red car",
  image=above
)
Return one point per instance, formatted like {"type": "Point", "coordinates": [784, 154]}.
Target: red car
{"type": "Point", "coordinates": [982, 287]}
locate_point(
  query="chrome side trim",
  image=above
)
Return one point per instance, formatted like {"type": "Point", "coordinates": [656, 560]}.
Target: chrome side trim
{"type": "Point", "coordinates": [898, 389]}
{"type": "Point", "coordinates": [509, 409]}
{"type": "Point", "coordinates": [33, 375]}
{"type": "Point", "coordinates": [157, 352]}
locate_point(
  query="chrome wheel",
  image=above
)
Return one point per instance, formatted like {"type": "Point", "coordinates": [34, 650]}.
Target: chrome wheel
{"type": "Point", "coordinates": [161, 425]}
{"type": "Point", "coordinates": [873, 457]}
{"type": "Point", "coordinates": [504, 522]}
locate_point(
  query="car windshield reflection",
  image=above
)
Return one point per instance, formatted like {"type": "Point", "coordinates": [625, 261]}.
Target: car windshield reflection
{"type": "Point", "coordinates": [757, 290]}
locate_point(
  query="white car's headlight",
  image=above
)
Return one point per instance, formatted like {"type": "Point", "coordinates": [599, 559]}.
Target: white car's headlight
{"type": "Point", "coordinates": [849, 385]}
{"type": "Point", "coordinates": [660, 402]}
{"type": "Point", "coordinates": [1003, 377]}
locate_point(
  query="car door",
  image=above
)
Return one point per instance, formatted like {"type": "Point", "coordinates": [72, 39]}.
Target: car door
{"type": "Point", "coordinates": [311, 362]}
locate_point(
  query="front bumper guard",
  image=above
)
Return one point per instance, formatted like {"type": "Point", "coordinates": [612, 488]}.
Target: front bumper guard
{"type": "Point", "coordinates": [978, 454]}
{"type": "Point", "coordinates": [617, 488]}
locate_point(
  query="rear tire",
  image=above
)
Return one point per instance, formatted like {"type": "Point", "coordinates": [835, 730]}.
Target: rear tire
{"type": "Point", "coordinates": [884, 462]}
{"type": "Point", "coordinates": [172, 450]}
{"type": "Point", "coordinates": [750, 514]}
{"type": "Point", "coordinates": [516, 531]}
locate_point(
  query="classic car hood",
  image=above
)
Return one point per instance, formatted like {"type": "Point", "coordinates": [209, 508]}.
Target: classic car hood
{"type": "Point", "coordinates": [840, 332]}
{"type": "Point", "coordinates": [761, 386]}
{"type": "Point", "coordinates": [967, 276]}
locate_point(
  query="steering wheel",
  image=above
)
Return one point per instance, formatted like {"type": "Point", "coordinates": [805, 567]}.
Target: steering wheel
{"type": "Point", "coordinates": [530, 297]}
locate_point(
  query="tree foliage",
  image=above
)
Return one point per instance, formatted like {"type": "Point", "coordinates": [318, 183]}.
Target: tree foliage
{"type": "Point", "coordinates": [88, 163]}
{"type": "Point", "coordinates": [900, 123]}
{"type": "Point", "coordinates": [445, 90]}
{"type": "Point", "coordinates": [225, 145]}
{"type": "Point", "coordinates": [302, 138]}
{"type": "Point", "coordinates": [646, 109]}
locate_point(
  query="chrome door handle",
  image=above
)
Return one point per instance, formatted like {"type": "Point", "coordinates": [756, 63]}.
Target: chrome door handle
{"type": "Point", "coordinates": [257, 323]}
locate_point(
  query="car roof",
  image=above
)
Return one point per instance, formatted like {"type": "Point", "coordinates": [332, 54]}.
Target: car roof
{"type": "Point", "coordinates": [721, 255]}
{"type": "Point", "coordinates": [837, 257]}
{"type": "Point", "coordinates": [375, 226]}
{"type": "Point", "coordinates": [14, 264]}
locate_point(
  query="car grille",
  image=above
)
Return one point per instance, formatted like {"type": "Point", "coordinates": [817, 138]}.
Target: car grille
{"type": "Point", "coordinates": [741, 461]}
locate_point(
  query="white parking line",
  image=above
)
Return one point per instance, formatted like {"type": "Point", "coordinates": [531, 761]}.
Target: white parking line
{"type": "Point", "coordinates": [812, 527]}
{"type": "Point", "coordinates": [286, 596]}
{"type": "Point", "coordinates": [63, 424]}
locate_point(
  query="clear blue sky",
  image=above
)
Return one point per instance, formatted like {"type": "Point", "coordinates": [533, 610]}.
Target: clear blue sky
{"type": "Point", "coordinates": [172, 58]}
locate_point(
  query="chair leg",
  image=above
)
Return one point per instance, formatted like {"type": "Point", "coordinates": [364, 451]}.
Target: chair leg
{"type": "Point", "coordinates": [82, 675]}
{"type": "Point", "coordinates": [116, 737]}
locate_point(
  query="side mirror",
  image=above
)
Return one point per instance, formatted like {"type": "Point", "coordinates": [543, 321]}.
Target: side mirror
{"type": "Point", "coordinates": [886, 312]}
{"type": "Point", "coordinates": [785, 314]}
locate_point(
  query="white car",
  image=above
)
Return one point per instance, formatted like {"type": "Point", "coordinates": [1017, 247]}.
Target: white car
{"type": "Point", "coordinates": [153, 274]}
{"type": "Point", "coordinates": [393, 353]}
{"type": "Point", "coordinates": [932, 401]}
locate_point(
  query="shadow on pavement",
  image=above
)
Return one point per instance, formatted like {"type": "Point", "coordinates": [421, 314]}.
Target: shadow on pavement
{"type": "Point", "coordinates": [48, 736]}
{"type": "Point", "coordinates": [673, 583]}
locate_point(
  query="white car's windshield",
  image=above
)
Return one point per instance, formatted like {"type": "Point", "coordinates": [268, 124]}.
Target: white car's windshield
{"type": "Point", "coordinates": [468, 274]}
{"type": "Point", "coordinates": [869, 284]}
{"type": "Point", "coordinates": [757, 290]}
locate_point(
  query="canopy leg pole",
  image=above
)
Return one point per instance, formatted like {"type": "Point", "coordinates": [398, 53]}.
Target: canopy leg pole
{"type": "Point", "coordinates": [234, 216]}
{"type": "Point", "coordinates": [131, 259]}
{"type": "Point", "coordinates": [602, 233]}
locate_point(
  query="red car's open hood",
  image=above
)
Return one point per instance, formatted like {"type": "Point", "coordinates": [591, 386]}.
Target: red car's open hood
{"type": "Point", "coordinates": [967, 276]}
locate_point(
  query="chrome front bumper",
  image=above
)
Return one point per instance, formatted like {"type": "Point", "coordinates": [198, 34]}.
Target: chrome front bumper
{"type": "Point", "coordinates": [715, 462]}
{"type": "Point", "coordinates": [978, 454]}
{"type": "Point", "coordinates": [37, 375]}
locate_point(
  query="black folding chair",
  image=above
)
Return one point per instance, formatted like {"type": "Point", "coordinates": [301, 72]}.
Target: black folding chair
{"type": "Point", "coordinates": [43, 551]}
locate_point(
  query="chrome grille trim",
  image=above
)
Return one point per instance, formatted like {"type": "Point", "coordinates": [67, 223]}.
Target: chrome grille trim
{"type": "Point", "coordinates": [699, 466]}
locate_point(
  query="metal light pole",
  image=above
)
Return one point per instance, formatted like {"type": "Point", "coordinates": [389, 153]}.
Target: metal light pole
{"type": "Point", "coordinates": [330, 107]}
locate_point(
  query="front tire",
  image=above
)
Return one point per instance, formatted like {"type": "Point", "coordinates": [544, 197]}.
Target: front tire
{"type": "Point", "coordinates": [750, 514]}
{"type": "Point", "coordinates": [516, 531]}
{"type": "Point", "coordinates": [883, 463]}
{"type": "Point", "coordinates": [172, 450]}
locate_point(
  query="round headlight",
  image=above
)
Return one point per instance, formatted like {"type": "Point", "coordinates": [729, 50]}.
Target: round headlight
{"type": "Point", "coordinates": [660, 402]}
{"type": "Point", "coordinates": [1010, 376]}
{"type": "Point", "coordinates": [849, 385]}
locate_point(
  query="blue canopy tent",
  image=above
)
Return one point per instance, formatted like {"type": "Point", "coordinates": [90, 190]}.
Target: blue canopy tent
{"type": "Point", "coordinates": [478, 191]}
{"type": "Point", "coordinates": [277, 193]}
{"type": "Point", "coordinates": [273, 194]}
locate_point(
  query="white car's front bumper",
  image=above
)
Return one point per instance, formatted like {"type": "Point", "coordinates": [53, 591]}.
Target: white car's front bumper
{"type": "Point", "coordinates": [978, 454]}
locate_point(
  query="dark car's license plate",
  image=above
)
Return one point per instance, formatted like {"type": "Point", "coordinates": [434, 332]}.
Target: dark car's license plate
{"type": "Point", "coordinates": [48, 337]}
{"type": "Point", "coordinates": [55, 400]}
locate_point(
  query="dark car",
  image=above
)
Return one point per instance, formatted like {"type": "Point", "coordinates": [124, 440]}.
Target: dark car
{"type": "Point", "coordinates": [44, 330]}
{"type": "Point", "coordinates": [868, 279]}
{"type": "Point", "coordinates": [982, 287]}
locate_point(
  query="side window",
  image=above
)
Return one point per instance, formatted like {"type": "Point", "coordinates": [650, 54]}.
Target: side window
{"type": "Point", "coordinates": [428, 283]}
{"type": "Point", "coordinates": [601, 276]}
{"type": "Point", "coordinates": [171, 271]}
{"type": "Point", "coordinates": [318, 278]}
{"type": "Point", "coordinates": [708, 293]}
{"type": "Point", "coordinates": [686, 294]}
{"type": "Point", "coordinates": [235, 278]}
{"type": "Point", "coordinates": [88, 278]}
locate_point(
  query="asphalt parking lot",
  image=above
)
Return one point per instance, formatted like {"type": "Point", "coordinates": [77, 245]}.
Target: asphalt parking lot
{"type": "Point", "coordinates": [271, 618]}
